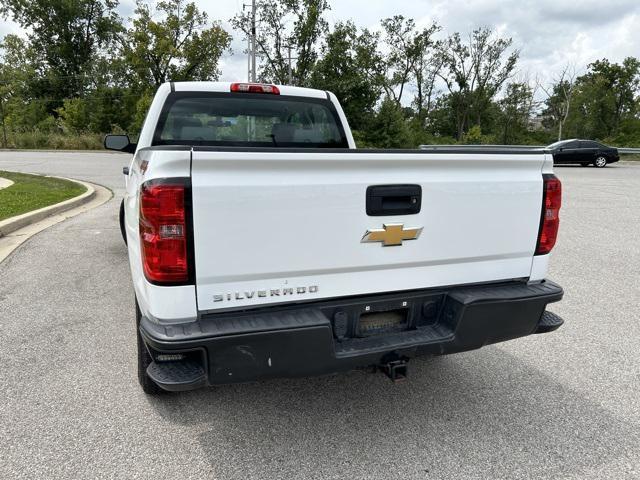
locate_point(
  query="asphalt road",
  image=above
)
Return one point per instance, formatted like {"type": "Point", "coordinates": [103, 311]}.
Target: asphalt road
{"type": "Point", "coordinates": [563, 405]}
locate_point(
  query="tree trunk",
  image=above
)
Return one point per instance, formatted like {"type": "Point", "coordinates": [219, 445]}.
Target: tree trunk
{"type": "Point", "coordinates": [560, 130]}
{"type": "Point", "coordinates": [461, 122]}
{"type": "Point", "coordinates": [420, 99]}
{"type": "Point", "coordinates": [4, 128]}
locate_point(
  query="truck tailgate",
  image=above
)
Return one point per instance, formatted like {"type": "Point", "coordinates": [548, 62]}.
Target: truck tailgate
{"type": "Point", "coordinates": [273, 227]}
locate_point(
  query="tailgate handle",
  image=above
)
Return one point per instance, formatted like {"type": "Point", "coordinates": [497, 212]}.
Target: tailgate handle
{"type": "Point", "coordinates": [393, 200]}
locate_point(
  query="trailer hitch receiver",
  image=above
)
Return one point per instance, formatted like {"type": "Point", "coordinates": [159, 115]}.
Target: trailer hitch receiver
{"type": "Point", "coordinates": [396, 370]}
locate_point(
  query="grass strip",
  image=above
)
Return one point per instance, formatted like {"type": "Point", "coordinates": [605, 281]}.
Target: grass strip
{"type": "Point", "coordinates": [31, 192]}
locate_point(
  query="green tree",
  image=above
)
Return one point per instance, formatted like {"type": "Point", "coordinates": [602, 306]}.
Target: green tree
{"type": "Point", "coordinates": [408, 49]}
{"type": "Point", "coordinates": [141, 108]}
{"type": "Point", "coordinates": [515, 111]}
{"type": "Point", "coordinates": [426, 69]}
{"type": "Point", "coordinates": [473, 136]}
{"type": "Point", "coordinates": [67, 36]}
{"type": "Point", "coordinates": [474, 74]}
{"type": "Point", "coordinates": [175, 41]}
{"type": "Point", "coordinates": [604, 97]}
{"type": "Point", "coordinates": [288, 32]}
{"type": "Point", "coordinates": [74, 115]}
{"type": "Point", "coordinates": [389, 127]}
{"type": "Point", "coordinates": [351, 68]}
{"type": "Point", "coordinates": [20, 110]}
{"type": "Point", "coordinates": [558, 102]}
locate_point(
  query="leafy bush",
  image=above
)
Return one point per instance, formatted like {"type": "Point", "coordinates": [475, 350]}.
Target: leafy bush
{"type": "Point", "coordinates": [55, 141]}
{"type": "Point", "coordinates": [389, 128]}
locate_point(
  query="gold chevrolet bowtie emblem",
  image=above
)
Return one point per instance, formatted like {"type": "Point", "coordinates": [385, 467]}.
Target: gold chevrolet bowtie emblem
{"type": "Point", "coordinates": [393, 234]}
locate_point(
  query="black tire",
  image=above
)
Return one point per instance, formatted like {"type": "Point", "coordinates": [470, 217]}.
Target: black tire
{"type": "Point", "coordinates": [144, 360]}
{"type": "Point", "coordinates": [600, 162]}
{"type": "Point", "coordinates": [584, 164]}
{"type": "Point", "coordinates": [122, 230]}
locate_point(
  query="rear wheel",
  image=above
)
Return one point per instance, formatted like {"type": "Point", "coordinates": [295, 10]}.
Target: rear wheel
{"type": "Point", "coordinates": [600, 162]}
{"type": "Point", "coordinates": [144, 360]}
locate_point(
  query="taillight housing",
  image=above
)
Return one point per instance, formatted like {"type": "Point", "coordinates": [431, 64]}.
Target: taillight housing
{"type": "Point", "coordinates": [550, 221]}
{"type": "Point", "coordinates": [255, 88]}
{"type": "Point", "coordinates": [164, 243]}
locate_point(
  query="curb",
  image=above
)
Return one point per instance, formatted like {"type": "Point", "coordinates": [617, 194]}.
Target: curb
{"type": "Point", "coordinates": [19, 221]}
{"type": "Point", "coordinates": [5, 183]}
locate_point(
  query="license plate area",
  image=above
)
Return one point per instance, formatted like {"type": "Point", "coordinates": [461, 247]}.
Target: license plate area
{"type": "Point", "coordinates": [378, 323]}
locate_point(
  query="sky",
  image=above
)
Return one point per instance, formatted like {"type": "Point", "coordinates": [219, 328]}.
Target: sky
{"type": "Point", "coordinates": [550, 34]}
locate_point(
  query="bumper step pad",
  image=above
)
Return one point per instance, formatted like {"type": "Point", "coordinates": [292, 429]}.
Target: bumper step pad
{"type": "Point", "coordinates": [549, 322]}
{"type": "Point", "coordinates": [177, 376]}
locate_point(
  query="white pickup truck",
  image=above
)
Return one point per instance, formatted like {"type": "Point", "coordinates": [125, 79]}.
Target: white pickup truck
{"type": "Point", "coordinates": [263, 244]}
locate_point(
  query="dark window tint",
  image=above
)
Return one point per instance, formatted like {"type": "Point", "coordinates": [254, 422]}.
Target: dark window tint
{"type": "Point", "coordinates": [561, 143]}
{"type": "Point", "coordinates": [249, 120]}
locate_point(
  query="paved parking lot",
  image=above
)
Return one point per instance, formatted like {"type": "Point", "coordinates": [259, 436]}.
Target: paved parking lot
{"type": "Point", "coordinates": [563, 405]}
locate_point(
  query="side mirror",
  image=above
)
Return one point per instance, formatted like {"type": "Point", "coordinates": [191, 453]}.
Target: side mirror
{"type": "Point", "coordinates": [561, 149]}
{"type": "Point", "coordinates": [121, 143]}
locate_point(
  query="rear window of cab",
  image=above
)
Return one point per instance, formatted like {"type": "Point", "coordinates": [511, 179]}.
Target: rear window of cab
{"type": "Point", "coordinates": [252, 120]}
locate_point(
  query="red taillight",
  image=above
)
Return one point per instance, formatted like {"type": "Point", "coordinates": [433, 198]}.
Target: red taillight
{"type": "Point", "coordinates": [163, 232]}
{"type": "Point", "coordinates": [255, 88]}
{"type": "Point", "coordinates": [551, 201]}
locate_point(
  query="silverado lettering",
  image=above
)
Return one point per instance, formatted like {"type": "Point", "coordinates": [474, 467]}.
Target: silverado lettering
{"type": "Point", "coordinates": [247, 295]}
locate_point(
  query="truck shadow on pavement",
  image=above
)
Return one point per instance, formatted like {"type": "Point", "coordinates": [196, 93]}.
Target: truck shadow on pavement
{"type": "Point", "coordinates": [483, 414]}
